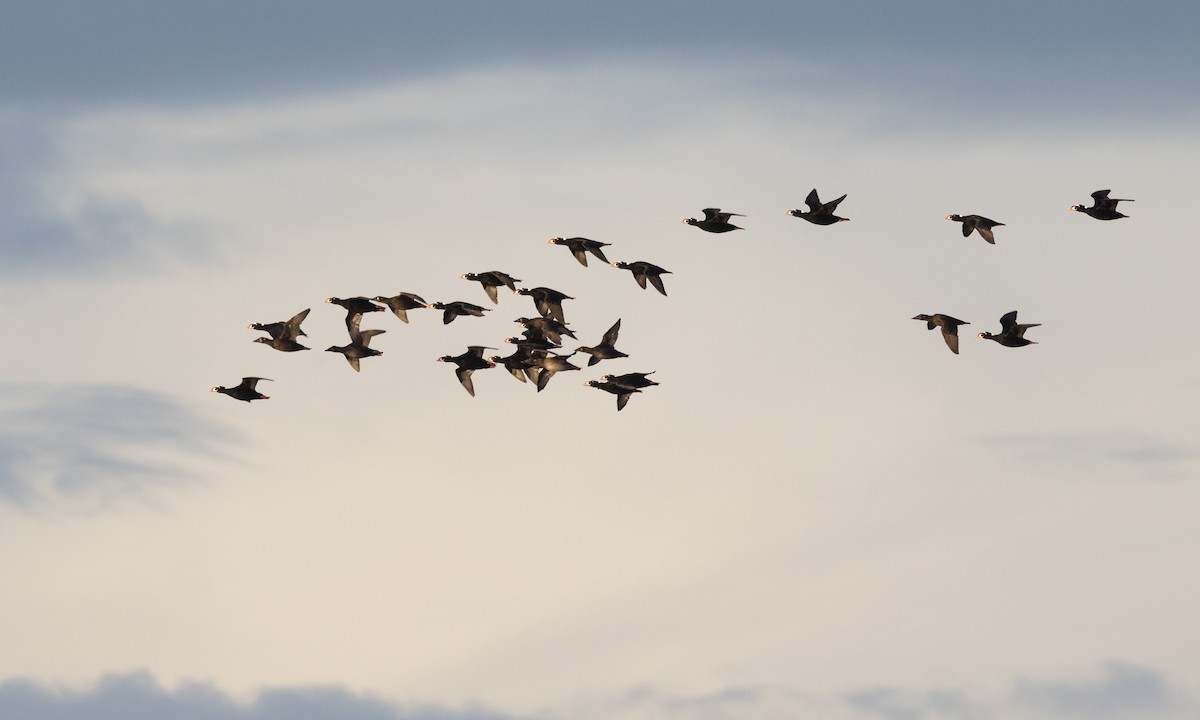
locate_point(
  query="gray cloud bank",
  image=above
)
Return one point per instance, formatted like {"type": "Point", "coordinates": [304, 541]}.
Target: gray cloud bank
{"type": "Point", "coordinates": [75, 51]}
{"type": "Point", "coordinates": [1117, 691]}
{"type": "Point", "coordinates": [95, 441]}
{"type": "Point", "coordinates": [139, 697]}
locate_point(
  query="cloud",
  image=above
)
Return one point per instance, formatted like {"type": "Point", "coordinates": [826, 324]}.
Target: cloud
{"type": "Point", "coordinates": [139, 697]}
{"type": "Point", "coordinates": [138, 51]}
{"type": "Point", "coordinates": [49, 226]}
{"type": "Point", "coordinates": [95, 441]}
{"type": "Point", "coordinates": [1161, 457]}
{"type": "Point", "coordinates": [1119, 691]}
{"type": "Point", "coordinates": [1122, 691]}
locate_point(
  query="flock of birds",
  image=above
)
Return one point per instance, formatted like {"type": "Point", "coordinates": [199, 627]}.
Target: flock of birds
{"type": "Point", "coordinates": [535, 357]}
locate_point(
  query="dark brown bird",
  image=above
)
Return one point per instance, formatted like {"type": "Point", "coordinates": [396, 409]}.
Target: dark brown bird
{"type": "Point", "coordinates": [519, 364]}
{"type": "Point", "coordinates": [551, 364]}
{"type": "Point", "coordinates": [359, 347]}
{"type": "Point", "coordinates": [468, 363]}
{"type": "Point", "coordinates": [283, 330]}
{"type": "Point", "coordinates": [1103, 207]}
{"type": "Point", "coordinates": [978, 223]}
{"type": "Point", "coordinates": [532, 343]}
{"type": "Point", "coordinates": [402, 303]}
{"type": "Point", "coordinates": [281, 344]}
{"type": "Point", "coordinates": [714, 221]}
{"type": "Point", "coordinates": [355, 307]}
{"type": "Point", "coordinates": [549, 328]}
{"type": "Point", "coordinates": [491, 280]}
{"type": "Point", "coordinates": [580, 247]}
{"type": "Point", "coordinates": [547, 301]}
{"type": "Point", "coordinates": [949, 326]}
{"type": "Point", "coordinates": [819, 213]}
{"type": "Point", "coordinates": [243, 390]}
{"type": "Point", "coordinates": [452, 310]}
{"type": "Point", "coordinates": [1011, 334]}
{"type": "Point", "coordinates": [643, 271]}
{"type": "Point", "coordinates": [606, 349]}
{"type": "Point", "coordinates": [355, 304]}
{"type": "Point", "coordinates": [622, 392]}
{"type": "Point", "coordinates": [631, 380]}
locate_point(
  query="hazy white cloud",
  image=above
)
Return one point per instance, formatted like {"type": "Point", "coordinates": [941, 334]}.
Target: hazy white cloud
{"type": "Point", "coordinates": [52, 226]}
{"type": "Point", "coordinates": [93, 443]}
{"type": "Point", "coordinates": [1155, 457]}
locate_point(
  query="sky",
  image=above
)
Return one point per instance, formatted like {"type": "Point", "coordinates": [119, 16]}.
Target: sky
{"type": "Point", "coordinates": [820, 512]}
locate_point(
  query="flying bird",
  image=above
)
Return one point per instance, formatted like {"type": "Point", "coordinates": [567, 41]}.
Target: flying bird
{"type": "Point", "coordinates": [531, 342]}
{"type": "Point", "coordinates": [606, 349]}
{"type": "Point", "coordinates": [281, 344]}
{"type": "Point", "coordinates": [819, 213]}
{"type": "Point", "coordinates": [622, 392]}
{"type": "Point", "coordinates": [452, 310]}
{"type": "Point", "coordinates": [243, 390]}
{"type": "Point", "coordinates": [491, 280]}
{"type": "Point", "coordinates": [519, 364]}
{"type": "Point", "coordinates": [949, 326]}
{"type": "Point", "coordinates": [467, 364]}
{"type": "Point", "coordinates": [547, 301]}
{"type": "Point", "coordinates": [1011, 334]}
{"type": "Point", "coordinates": [360, 343]}
{"type": "Point", "coordinates": [714, 221]}
{"type": "Point", "coordinates": [580, 247]}
{"type": "Point", "coordinates": [548, 328]}
{"type": "Point", "coordinates": [978, 223]}
{"type": "Point", "coordinates": [284, 329]}
{"type": "Point", "coordinates": [643, 271]}
{"type": "Point", "coordinates": [400, 304]}
{"type": "Point", "coordinates": [355, 307]}
{"type": "Point", "coordinates": [549, 365]}
{"type": "Point", "coordinates": [355, 304]}
{"type": "Point", "coordinates": [1103, 207]}
{"type": "Point", "coordinates": [631, 380]}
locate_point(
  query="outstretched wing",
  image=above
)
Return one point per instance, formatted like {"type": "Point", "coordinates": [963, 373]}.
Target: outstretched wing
{"type": "Point", "coordinates": [464, 377]}
{"type": "Point", "coordinates": [830, 206]}
{"type": "Point", "coordinates": [812, 201]}
{"type": "Point", "coordinates": [594, 248]}
{"type": "Point", "coordinates": [610, 337]}
{"type": "Point", "coordinates": [352, 321]}
{"type": "Point", "coordinates": [950, 335]}
{"type": "Point", "coordinates": [248, 383]}
{"type": "Point", "coordinates": [292, 329]}
{"type": "Point", "coordinates": [364, 336]}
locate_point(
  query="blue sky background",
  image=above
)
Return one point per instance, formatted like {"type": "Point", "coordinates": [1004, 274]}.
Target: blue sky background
{"type": "Point", "coordinates": [820, 512]}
